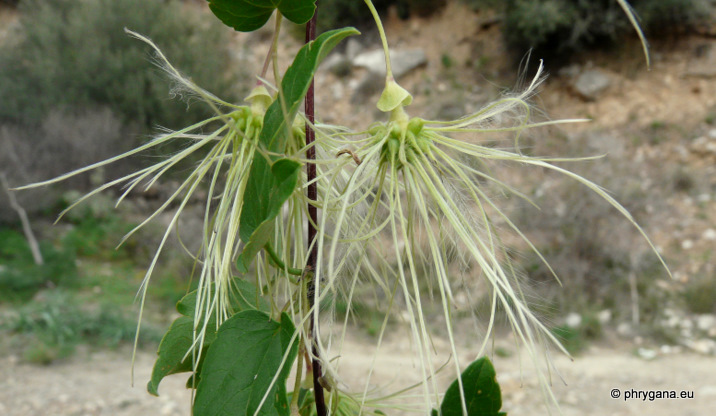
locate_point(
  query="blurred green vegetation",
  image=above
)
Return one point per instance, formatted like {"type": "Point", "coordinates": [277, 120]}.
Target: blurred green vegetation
{"type": "Point", "coordinates": [20, 278]}
{"type": "Point", "coordinates": [74, 55]}
{"type": "Point", "coordinates": [51, 326]}
{"type": "Point", "coordinates": [75, 88]}
{"type": "Point", "coordinates": [85, 292]}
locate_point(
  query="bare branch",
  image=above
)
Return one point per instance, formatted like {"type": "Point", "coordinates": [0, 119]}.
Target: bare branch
{"type": "Point", "coordinates": [29, 235]}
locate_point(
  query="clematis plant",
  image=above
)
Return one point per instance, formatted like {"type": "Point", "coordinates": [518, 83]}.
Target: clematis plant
{"type": "Point", "coordinates": [268, 261]}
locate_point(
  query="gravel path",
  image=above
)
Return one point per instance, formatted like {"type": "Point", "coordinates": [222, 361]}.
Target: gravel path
{"type": "Point", "coordinates": [98, 384]}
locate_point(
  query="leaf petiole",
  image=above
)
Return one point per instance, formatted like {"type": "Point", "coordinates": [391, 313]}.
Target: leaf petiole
{"type": "Point", "coordinates": [276, 260]}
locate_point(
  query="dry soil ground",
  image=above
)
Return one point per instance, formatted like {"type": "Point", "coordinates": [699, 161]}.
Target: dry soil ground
{"type": "Point", "coordinates": [98, 384]}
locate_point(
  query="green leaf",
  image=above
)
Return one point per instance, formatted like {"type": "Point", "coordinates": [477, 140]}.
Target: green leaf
{"type": "Point", "coordinates": [270, 182]}
{"type": "Point", "coordinates": [179, 337]}
{"type": "Point", "coordinates": [482, 393]}
{"type": "Point", "coordinates": [297, 11]}
{"type": "Point", "coordinates": [175, 343]}
{"type": "Point", "coordinates": [249, 15]}
{"type": "Point", "coordinates": [242, 362]}
{"type": "Point", "coordinates": [269, 187]}
{"type": "Point", "coordinates": [172, 349]}
{"type": "Point", "coordinates": [295, 85]}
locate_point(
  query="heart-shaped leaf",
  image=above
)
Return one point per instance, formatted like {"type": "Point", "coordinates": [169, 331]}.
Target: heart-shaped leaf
{"type": "Point", "coordinates": [249, 15]}
{"type": "Point", "coordinates": [482, 393]}
{"type": "Point", "coordinates": [241, 364]}
{"type": "Point", "coordinates": [175, 343]}
{"type": "Point", "coordinates": [179, 337]}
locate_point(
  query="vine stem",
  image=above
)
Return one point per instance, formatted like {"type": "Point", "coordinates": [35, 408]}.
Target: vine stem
{"type": "Point", "coordinates": [383, 38]}
{"type": "Point", "coordinates": [312, 194]}
{"type": "Point", "coordinates": [272, 52]}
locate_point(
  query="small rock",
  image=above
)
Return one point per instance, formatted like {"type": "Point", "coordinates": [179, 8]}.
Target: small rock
{"type": "Point", "coordinates": [702, 346]}
{"type": "Point", "coordinates": [709, 234]}
{"type": "Point", "coordinates": [570, 71]}
{"type": "Point", "coordinates": [373, 61]}
{"type": "Point", "coordinates": [353, 48]}
{"type": "Point", "coordinates": [604, 316]}
{"type": "Point", "coordinates": [705, 322]}
{"type": "Point", "coordinates": [338, 64]}
{"type": "Point", "coordinates": [682, 151]}
{"type": "Point", "coordinates": [666, 349]}
{"type": "Point", "coordinates": [371, 84]}
{"type": "Point", "coordinates": [573, 320]}
{"type": "Point", "coordinates": [704, 146]}
{"type": "Point", "coordinates": [687, 244]}
{"type": "Point", "coordinates": [405, 61]}
{"type": "Point", "coordinates": [624, 329]}
{"type": "Point", "coordinates": [591, 83]}
{"type": "Point", "coordinates": [402, 61]}
{"type": "Point", "coordinates": [671, 322]}
{"type": "Point", "coordinates": [337, 90]}
{"type": "Point", "coordinates": [646, 353]}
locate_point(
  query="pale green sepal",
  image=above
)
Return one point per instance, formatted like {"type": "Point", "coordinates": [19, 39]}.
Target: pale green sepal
{"type": "Point", "coordinates": [393, 96]}
{"type": "Point", "coordinates": [260, 100]}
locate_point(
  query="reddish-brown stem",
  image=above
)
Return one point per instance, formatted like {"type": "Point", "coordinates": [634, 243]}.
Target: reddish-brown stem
{"type": "Point", "coordinates": [267, 61]}
{"type": "Point", "coordinates": [312, 194]}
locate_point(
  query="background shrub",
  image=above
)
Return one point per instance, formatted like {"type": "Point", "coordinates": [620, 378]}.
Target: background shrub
{"type": "Point", "coordinates": [73, 55]}
{"type": "Point", "coordinates": [563, 26]}
{"type": "Point", "coordinates": [338, 13]}
{"type": "Point", "coordinates": [700, 295]}
{"type": "Point", "coordinates": [59, 143]}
